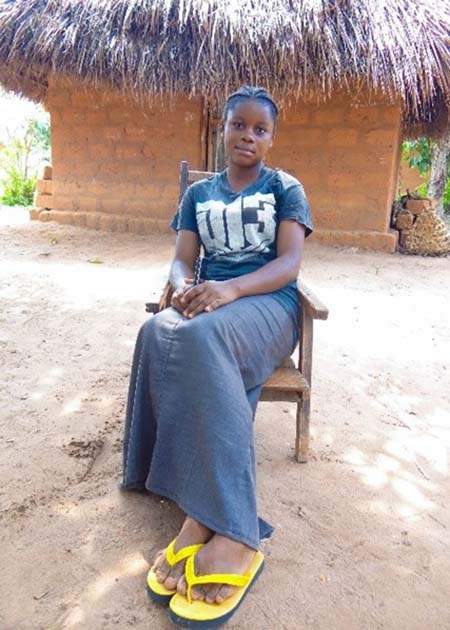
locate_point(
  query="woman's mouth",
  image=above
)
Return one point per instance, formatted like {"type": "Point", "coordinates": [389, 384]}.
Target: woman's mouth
{"type": "Point", "coordinates": [245, 151]}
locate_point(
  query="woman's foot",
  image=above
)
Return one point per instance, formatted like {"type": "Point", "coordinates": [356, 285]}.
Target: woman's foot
{"type": "Point", "coordinates": [220, 555]}
{"type": "Point", "coordinates": [192, 533]}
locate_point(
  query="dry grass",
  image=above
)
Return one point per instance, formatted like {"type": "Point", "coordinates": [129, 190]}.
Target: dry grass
{"type": "Point", "coordinates": [397, 47]}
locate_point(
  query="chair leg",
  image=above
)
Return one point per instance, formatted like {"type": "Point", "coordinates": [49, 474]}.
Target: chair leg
{"type": "Point", "coordinates": [302, 435]}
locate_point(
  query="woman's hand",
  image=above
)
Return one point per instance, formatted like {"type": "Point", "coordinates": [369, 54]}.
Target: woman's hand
{"type": "Point", "coordinates": [182, 269]}
{"type": "Point", "coordinates": [208, 296]}
{"type": "Point", "coordinates": [178, 296]}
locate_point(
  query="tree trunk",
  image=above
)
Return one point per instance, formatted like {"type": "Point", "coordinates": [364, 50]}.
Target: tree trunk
{"type": "Point", "coordinates": [439, 171]}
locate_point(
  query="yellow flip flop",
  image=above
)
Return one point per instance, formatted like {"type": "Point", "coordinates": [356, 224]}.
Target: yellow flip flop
{"type": "Point", "coordinates": [194, 614]}
{"type": "Point", "coordinates": [157, 591]}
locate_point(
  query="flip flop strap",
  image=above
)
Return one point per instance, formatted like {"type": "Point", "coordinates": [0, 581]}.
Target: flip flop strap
{"type": "Point", "coordinates": [232, 579]}
{"type": "Point", "coordinates": [173, 557]}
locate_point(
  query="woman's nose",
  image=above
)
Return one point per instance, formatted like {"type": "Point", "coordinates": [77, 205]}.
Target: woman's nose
{"type": "Point", "coordinates": [247, 136]}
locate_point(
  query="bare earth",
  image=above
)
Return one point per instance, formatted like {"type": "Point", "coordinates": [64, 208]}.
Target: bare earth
{"type": "Point", "coordinates": [362, 531]}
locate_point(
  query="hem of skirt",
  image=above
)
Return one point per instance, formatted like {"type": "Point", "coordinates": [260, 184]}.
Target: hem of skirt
{"type": "Point", "coordinates": [204, 521]}
{"type": "Point", "coordinates": [136, 485]}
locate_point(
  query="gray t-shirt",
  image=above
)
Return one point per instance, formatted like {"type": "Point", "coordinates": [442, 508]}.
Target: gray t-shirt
{"type": "Point", "coordinates": [238, 230]}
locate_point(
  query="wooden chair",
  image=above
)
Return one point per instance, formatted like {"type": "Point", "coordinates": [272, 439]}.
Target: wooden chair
{"type": "Point", "coordinates": [289, 382]}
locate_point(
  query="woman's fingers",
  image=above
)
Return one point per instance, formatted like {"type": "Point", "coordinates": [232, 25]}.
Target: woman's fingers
{"type": "Point", "coordinates": [176, 305]}
{"type": "Point", "coordinates": [212, 306]}
{"type": "Point", "coordinates": [204, 297]}
{"type": "Point", "coordinates": [178, 302]}
{"type": "Point", "coordinates": [207, 307]}
{"type": "Point", "coordinates": [194, 292]}
{"type": "Point", "coordinates": [175, 301]}
{"type": "Point", "coordinates": [180, 293]}
{"type": "Point", "coordinates": [196, 306]}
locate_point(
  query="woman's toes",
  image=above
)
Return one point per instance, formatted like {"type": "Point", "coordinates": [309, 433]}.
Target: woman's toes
{"type": "Point", "coordinates": [175, 574]}
{"type": "Point", "coordinates": [162, 573]}
{"type": "Point", "coordinates": [182, 586]}
{"type": "Point", "coordinates": [211, 593]}
{"type": "Point", "coordinates": [198, 593]}
{"type": "Point", "coordinates": [158, 560]}
{"type": "Point", "coordinates": [170, 583]}
{"type": "Point", "coordinates": [224, 593]}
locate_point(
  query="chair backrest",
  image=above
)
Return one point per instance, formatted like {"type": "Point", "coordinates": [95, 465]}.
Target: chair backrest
{"type": "Point", "coordinates": [188, 177]}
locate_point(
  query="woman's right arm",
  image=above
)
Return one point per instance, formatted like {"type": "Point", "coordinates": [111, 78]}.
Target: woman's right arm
{"type": "Point", "coordinates": [182, 271]}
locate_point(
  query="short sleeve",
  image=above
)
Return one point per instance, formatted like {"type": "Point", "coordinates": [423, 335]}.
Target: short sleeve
{"type": "Point", "coordinates": [293, 204]}
{"type": "Point", "coordinates": [185, 217]}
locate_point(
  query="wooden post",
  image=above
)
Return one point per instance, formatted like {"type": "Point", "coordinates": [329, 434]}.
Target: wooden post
{"type": "Point", "coordinates": [184, 178]}
{"type": "Point", "coordinates": [304, 406]}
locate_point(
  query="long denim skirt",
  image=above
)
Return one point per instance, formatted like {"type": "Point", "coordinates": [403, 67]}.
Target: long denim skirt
{"type": "Point", "coordinates": [193, 392]}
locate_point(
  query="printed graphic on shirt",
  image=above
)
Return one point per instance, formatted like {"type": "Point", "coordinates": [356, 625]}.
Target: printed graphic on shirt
{"type": "Point", "coordinates": [245, 226]}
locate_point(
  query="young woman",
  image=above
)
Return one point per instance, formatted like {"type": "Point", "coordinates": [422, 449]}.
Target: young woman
{"type": "Point", "coordinates": [200, 365]}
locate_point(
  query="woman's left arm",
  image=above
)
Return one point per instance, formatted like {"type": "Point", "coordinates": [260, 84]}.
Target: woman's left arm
{"type": "Point", "coordinates": [273, 276]}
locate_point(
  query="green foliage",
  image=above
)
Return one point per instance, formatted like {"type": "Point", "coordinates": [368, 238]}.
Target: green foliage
{"type": "Point", "coordinates": [41, 135]}
{"type": "Point", "coordinates": [18, 190]}
{"type": "Point", "coordinates": [418, 153]}
{"type": "Point", "coordinates": [19, 178]}
{"type": "Point", "coordinates": [447, 197]}
{"type": "Point", "coordinates": [422, 189]}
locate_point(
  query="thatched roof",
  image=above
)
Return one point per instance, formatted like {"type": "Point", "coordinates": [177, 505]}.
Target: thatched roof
{"type": "Point", "coordinates": [309, 47]}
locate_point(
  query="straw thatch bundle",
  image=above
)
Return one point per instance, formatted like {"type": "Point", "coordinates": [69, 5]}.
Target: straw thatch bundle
{"type": "Point", "coordinates": [398, 47]}
{"type": "Point", "coordinates": [428, 236]}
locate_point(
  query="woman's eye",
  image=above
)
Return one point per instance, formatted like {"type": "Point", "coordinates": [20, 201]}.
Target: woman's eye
{"type": "Point", "coordinates": [237, 125]}
{"type": "Point", "coordinates": [260, 131]}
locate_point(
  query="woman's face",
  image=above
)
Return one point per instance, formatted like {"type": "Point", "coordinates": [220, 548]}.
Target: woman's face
{"type": "Point", "coordinates": [248, 132]}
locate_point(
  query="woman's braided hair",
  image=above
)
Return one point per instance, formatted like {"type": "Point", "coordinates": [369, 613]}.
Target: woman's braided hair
{"type": "Point", "coordinates": [249, 92]}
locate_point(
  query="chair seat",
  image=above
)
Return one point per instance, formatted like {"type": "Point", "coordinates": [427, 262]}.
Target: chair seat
{"type": "Point", "coordinates": [286, 383]}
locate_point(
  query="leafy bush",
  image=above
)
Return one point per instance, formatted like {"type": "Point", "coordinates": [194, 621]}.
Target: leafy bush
{"type": "Point", "coordinates": [446, 200]}
{"type": "Point", "coordinates": [17, 189]}
{"type": "Point", "coordinates": [422, 189]}
{"type": "Point", "coordinates": [20, 176]}
{"type": "Point", "coordinates": [41, 137]}
{"type": "Point", "coordinates": [418, 153]}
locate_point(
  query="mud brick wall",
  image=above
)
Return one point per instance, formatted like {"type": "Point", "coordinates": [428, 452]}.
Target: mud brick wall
{"type": "Point", "coordinates": [115, 161]}
{"type": "Point", "coordinates": [347, 158]}
{"type": "Point", "coordinates": [44, 189]}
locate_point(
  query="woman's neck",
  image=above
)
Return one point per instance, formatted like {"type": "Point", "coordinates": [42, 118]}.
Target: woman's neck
{"type": "Point", "coordinates": [240, 178]}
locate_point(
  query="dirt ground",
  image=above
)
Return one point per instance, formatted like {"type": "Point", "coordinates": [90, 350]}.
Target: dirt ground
{"type": "Point", "coordinates": [362, 531]}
